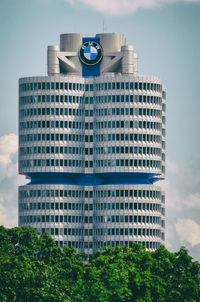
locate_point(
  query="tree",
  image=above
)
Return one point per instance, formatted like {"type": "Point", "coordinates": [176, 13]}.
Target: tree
{"type": "Point", "coordinates": [33, 268]}
{"type": "Point", "coordinates": [24, 275]}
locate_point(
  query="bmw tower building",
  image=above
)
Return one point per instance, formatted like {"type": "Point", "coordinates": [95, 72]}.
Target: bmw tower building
{"type": "Point", "coordinates": [92, 145]}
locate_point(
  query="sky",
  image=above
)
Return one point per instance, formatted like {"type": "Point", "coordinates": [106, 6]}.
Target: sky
{"type": "Point", "coordinates": [166, 36]}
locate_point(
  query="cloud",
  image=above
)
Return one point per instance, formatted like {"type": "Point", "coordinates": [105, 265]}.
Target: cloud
{"type": "Point", "coordinates": [8, 208]}
{"type": "Point", "coordinates": [8, 147]}
{"type": "Point", "coordinates": [8, 156]}
{"type": "Point", "coordinates": [182, 189]}
{"type": "Point", "coordinates": [172, 190]}
{"type": "Point", "coordinates": [123, 7]}
{"type": "Point", "coordinates": [9, 180]}
{"type": "Point", "coordinates": [189, 231]}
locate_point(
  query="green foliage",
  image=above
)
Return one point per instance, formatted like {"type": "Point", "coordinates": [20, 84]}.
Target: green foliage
{"type": "Point", "coordinates": [34, 269]}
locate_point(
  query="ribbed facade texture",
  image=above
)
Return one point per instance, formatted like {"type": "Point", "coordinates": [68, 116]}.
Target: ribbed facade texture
{"type": "Point", "coordinates": [92, 144]}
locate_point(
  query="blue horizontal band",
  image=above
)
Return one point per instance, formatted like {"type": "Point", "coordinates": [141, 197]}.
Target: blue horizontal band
{"type": "Point", "coordinates": [59, 178]}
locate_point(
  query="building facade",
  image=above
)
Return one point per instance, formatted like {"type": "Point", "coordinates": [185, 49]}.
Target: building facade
{"type": "Point", "coordinates": [92, 144]}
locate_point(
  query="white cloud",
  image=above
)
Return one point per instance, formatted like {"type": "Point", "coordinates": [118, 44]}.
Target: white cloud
{"type": "Point", "coordinates": [123, 7]}
{"type": "Point", "coordinates": [9, 180]}
{"type": "Point", "coordinates": [8, 156]}
{"type": "Point", "coordinates": [183, 205]}
{"type": "Point", "coordinates": [189, 231]}
{"type": "Point", "coordinates": [8, 209]}
{"type": "Point", "coordinates": [8, 147]}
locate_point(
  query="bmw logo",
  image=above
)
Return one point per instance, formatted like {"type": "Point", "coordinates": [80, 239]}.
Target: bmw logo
{"type": "Point", "coordinates": [90, 53]}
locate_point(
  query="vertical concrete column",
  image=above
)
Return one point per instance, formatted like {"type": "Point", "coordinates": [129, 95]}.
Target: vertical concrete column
{"type": "Point", "coordinates": [72, 43]}
{"type": "Point", "coordinates": [127, 59]}
{"type": "Point", "coordinates": [135, 62]}
{"type": "Point", "coordinates": [53, 66]}
{"type": "Point", "coordinates": [111, 43]}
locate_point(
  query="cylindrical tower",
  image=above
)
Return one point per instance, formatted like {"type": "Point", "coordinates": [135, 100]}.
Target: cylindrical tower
{"type": "Point", "coordinates": [52, 60]}
{"type": "Point", "coordinates": [93, 146]}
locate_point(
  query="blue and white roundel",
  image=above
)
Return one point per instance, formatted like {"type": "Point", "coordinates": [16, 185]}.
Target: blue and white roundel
{"type": "Point", "coordinates": [90, 53]}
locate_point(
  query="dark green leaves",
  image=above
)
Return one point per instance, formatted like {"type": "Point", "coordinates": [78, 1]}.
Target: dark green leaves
{"type": "Point", "coordinates": [34, 269]}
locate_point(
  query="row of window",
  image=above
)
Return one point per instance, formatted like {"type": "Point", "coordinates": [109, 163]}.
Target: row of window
{"type": "Point", "coordinates": [127, 219]}
{"type": "Point", "coordinates": [89, 138]}
{"type": "Point", "coordinates": [127, 111]}
{"type": "Point", "coordinates": [126, 124]}
{"type": "Point", "coordinates": [129, 124]}
{"type": "Point", "coordinates": [144, 193]}
{"type": "Point", "coordinates": [98, 244]}
{"type": "Point", "coordinates": [89, 207]}
{"type": "Point", "coordinates": [35, 99]}
{"type": "Point", "coordinates": [51, 111]}
{"type": "Point", "coordinates": [73, 99]}
{"type": "Point", "coordinates": [90, 87]}
{"type": "Point", "coordinates": [56, 219]}
{"type": "Point", "coordinates": [125, 163]}
{"type": "Point", "coordinates": [54, 150]}
{"type": "Point", "coordinates": [51, 137]}
{"type": "Point", "coordinates": [137, 163]}
{"type": "Point", "coordinates": [55, 206]}
{"type": "Point", "coordinates": [128, 137]}
{"type": "Point", "coordinates": [128, 150]}
{"type": "Point", "coordinates": [89, 126]}
{"type": "Point", "coordinates": [132, 98]}
{"type": "Point", "coordinates": [151, 243]}
{"type": "Point", "coordinates": [98, 112]}
{"type": "Point", "coordinates": [128, 86]}
{"type": "Point", "coordinates": [89, 219]}
{"type": "Point", "coordinates": [128, 206]}
{"type": "Point", "coordinates": [53, 85]}
{"type": "Point", "coordinates": [81, 219]}
{"type": "Point", "coordinates": [124, 231]}
{"type": "Point", "coordinates": [89, 151]}
{"type": "Point", "coordinates": [50, 124]}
